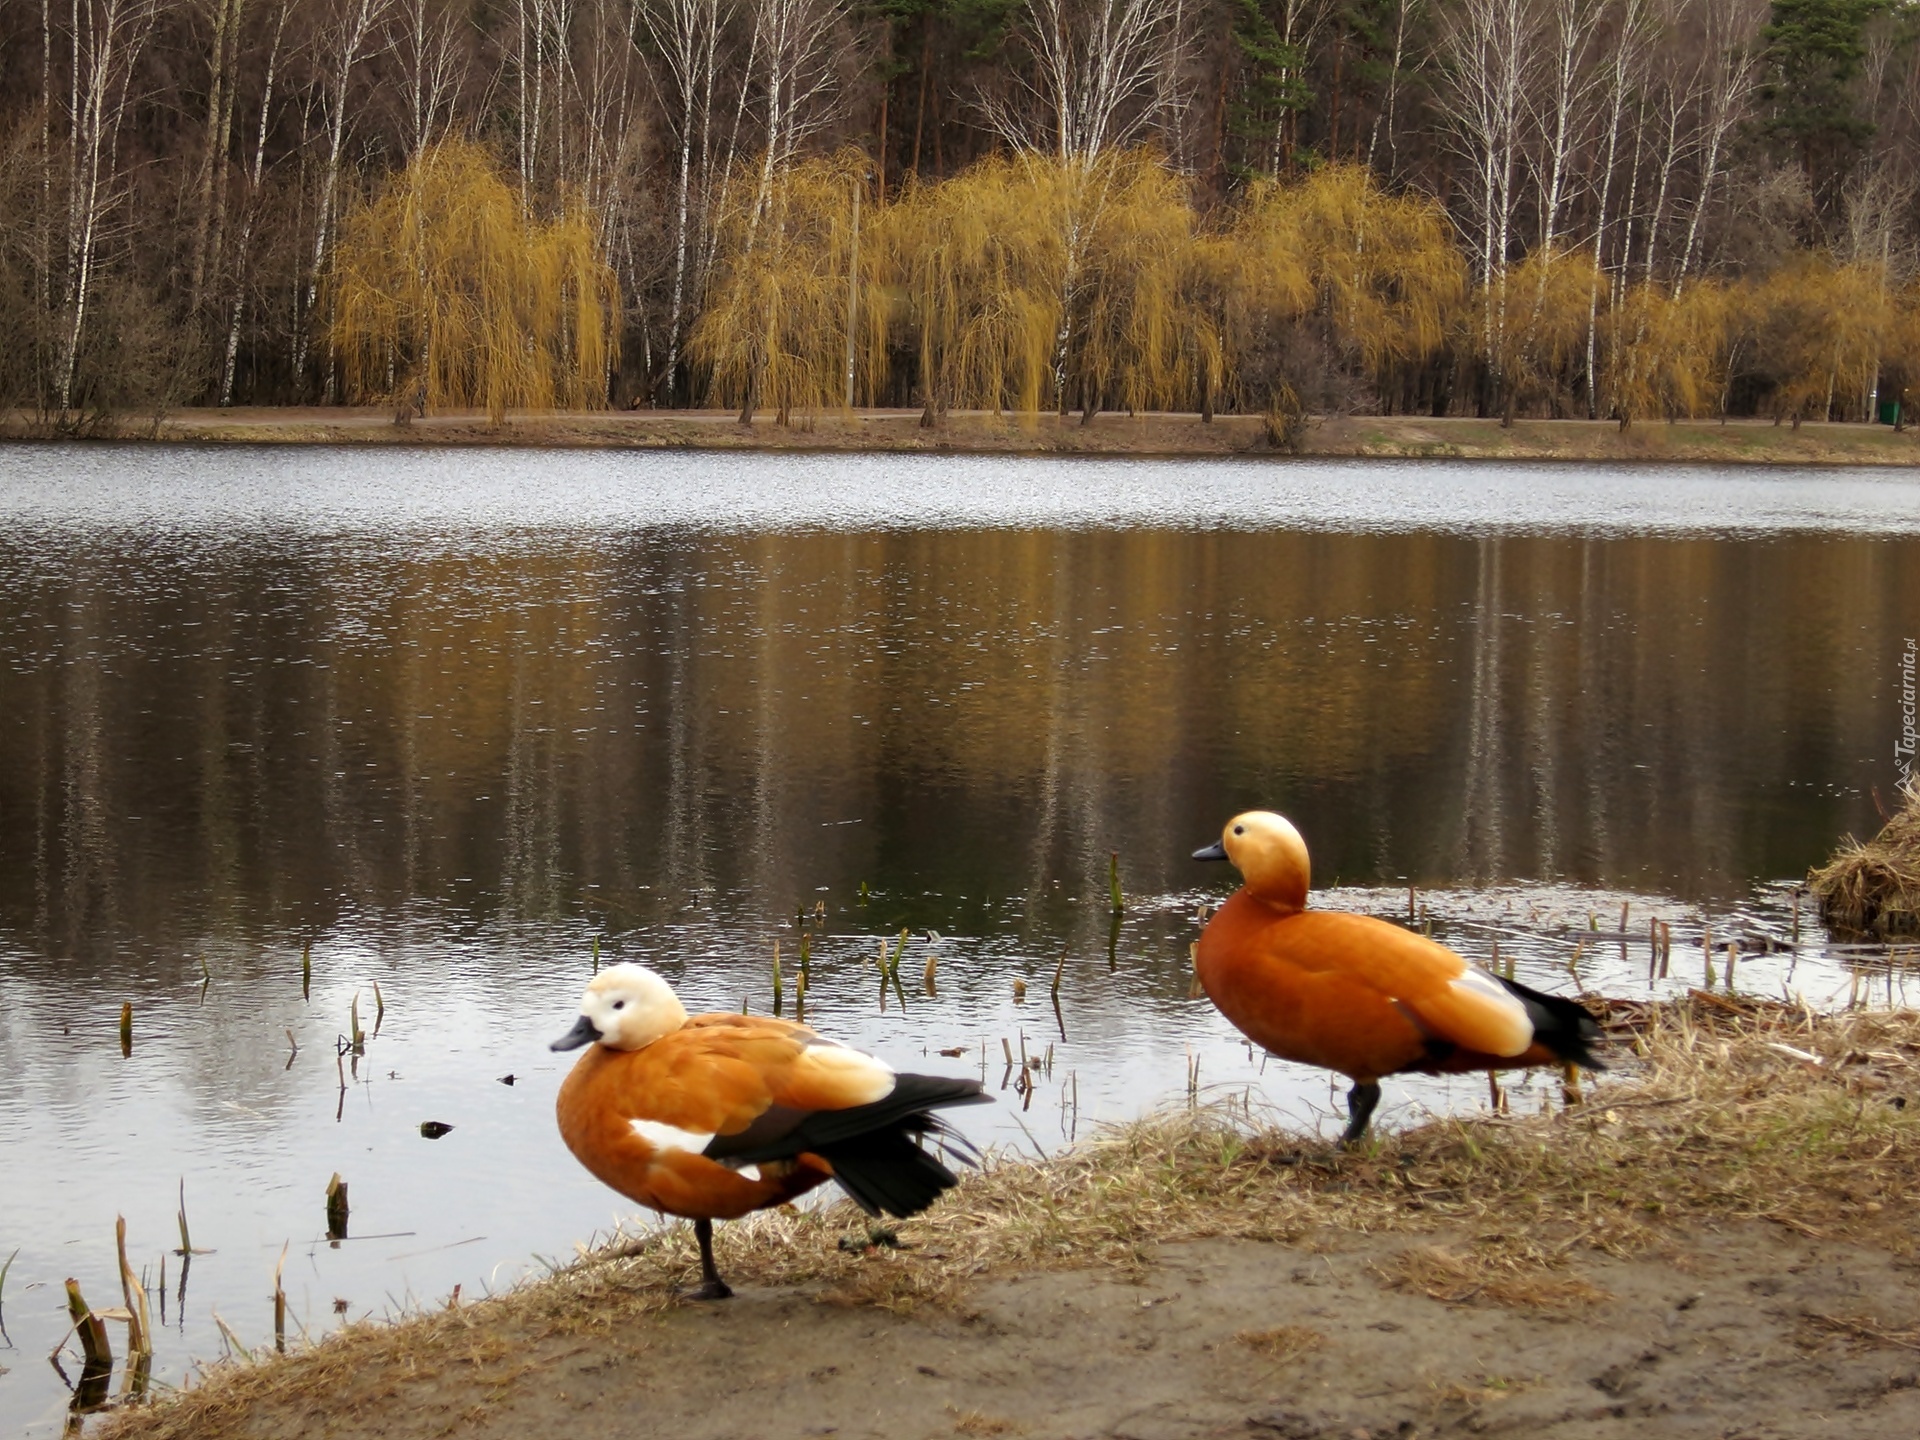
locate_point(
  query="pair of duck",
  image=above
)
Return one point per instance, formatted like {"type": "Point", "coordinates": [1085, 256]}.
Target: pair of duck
{"type": "Point", "coordinates": [711, 1117]}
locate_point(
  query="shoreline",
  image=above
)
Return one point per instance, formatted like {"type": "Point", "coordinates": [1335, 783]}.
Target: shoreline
{"type": "Point", "coordinates": [1716, 1233]}
{"type": "Point", "coordinates": [1112, 435]}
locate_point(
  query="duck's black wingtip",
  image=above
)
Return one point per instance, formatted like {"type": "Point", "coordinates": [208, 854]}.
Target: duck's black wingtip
{"type": "Point", "coordinates": [1566, 1027]}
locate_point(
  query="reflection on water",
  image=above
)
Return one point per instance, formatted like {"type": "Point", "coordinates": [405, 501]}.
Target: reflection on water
{"type": "Point", "coordinates": [443, 721]}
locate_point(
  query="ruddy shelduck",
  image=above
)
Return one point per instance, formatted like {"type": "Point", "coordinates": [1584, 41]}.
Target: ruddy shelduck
{"type": "Point", "coordinates": [713, 1116]}
{"type": "Point", "coordinates": [1359, 995]}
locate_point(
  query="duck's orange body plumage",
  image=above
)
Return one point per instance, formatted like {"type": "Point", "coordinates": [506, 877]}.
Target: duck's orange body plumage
{"type": "Point", "coordinates": [1359, 995]}
{"type": "Point", "coordinates": [715, 1116]}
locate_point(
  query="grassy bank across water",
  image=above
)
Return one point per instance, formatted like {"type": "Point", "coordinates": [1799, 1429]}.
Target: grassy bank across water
{"type": "Point", "coordinates": [1719, 1233]}
{"type": "Point", "coordinates": [1357, 437]}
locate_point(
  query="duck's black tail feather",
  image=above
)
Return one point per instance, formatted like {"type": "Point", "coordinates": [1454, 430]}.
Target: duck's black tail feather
{"type": "Point", "coordinates": [1566, 1027]}
{"type": "Point", "coordinates": [889, 1171]}
{"type": "Point", "coordinates": [887, 1155]}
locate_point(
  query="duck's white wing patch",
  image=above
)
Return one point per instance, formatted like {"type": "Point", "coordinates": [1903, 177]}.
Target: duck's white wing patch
{"type": "Point", "coordinates": [852, 1076]}
{"type": "Point", "coordinates": [1498, 1015]}
{"type": "Point", "coordinates": [670, 1137]}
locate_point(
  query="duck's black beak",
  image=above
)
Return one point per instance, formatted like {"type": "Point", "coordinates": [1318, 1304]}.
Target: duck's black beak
{"type": "Point", "coordinates": [1215, 851]}
{"type": "Point", "coordinates": [583, 1033]}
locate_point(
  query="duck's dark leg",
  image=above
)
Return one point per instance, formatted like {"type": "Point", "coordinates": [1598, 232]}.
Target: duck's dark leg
{"type": "Point", "coordinates": [711, 1286]}
{"type": "Point", "coordinates": [1361, 1099]}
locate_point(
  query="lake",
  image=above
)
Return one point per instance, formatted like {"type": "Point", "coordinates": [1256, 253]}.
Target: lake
{"type": "Point", "coordinates": [460, 725]}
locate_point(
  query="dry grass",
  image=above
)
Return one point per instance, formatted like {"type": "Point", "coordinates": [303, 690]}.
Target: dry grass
{"type": "Point", "coordinates": [1874, 888]}
{"type": "Point", "coordinates": [1485, 1273]}
{"type": "Point", "coordinates": [1283, 1342]}
{"type": "Point", "coordinates": [1723, 1111]}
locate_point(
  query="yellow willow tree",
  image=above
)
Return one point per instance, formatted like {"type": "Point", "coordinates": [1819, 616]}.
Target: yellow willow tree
{"type": "Point", "coordinates": [1900, 355]}
{"type": "Point", "coordinates": [977, 264]}
{"type": "Point", "coordinates": [1816, 330]}
{"type": "Point", "coordinates": [1668, 354]}
{"type": "Point", "coordinates": [1143, 324]}
{"type": "Point", "coordinates": [790, 311]}
{"type": "Point", "coordinates": [446, 295]}
{"type": "Point", "coordinates": [1377, 271]}
{"type": "Point", "coordinates": [1547, 298]}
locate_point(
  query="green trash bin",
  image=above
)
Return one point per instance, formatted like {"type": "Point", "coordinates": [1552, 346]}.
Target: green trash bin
{"type": "Point", "coordinates": [1889, 412]}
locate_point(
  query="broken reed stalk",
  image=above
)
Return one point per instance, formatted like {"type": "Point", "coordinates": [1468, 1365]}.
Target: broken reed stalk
{"type": "Point", "coordinates": [1573, 963]}
{"type": "Point", "coordinates": [779, 990]}
{"type": "Point", "coordinates": [306, 971]}
{"type": "Point", "coordinates": [1113, 882]}
{"type": "Point", "coordinates": [1733, 957]}
{"type": "Point", "coordinates": [280, 1304]}
{"type": "Point", "coordinates": [1059, 970]}
{"type": "Point", "coordinates": [893, 969]}
{"type": "Point", "coordinates": [186, 1240]}
{"type": "Point", "coordinates": [356, 1038]}
{"type": "Point", "coordinates": [91, 1329]}
{"type": "Point", "coordinates": [379, 1007]}
{"type": "Point", "coordinates": [126, 1028]}
{"type": "Point", "coordinates": [3, 1293]}
{"type": "Point", "coordinates": [226, 1333]}
{"type": "Point", "coordinates": [596, 954]}
{"type": "Point", "coordinates": [139, 1318]}
{"type": "Point", "coordinates": [337, 1208]}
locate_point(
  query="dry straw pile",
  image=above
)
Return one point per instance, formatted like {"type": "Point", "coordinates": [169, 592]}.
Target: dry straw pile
{"type": "Point", "coordinates": [1718, 1110]}
{"type": "Point", "coordinates": [1874, 888]}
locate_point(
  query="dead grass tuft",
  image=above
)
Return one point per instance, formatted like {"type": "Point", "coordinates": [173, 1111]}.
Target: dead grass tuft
{"type": "Point", "coordinates": [1718, 1110]}
{"type": "Point", "coordinates": [972, 1422]}
{"type": "Point", "coordinates": [1283, 1342]}
{"type": "Point", "coordinates": [1441, 1274]}
{"type": "Point", "coordinates": [1874, 888]}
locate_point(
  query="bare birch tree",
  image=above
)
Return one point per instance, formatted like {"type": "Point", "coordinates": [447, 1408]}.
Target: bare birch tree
{"type": "Point", "coordinates": [106, 38]}
{"type": "Point", "coordinates": [346, 41]}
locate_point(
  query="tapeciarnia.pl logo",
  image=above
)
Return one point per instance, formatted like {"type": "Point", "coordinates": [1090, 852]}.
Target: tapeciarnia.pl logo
{"type": "Point", "coordinates": [1903, 748]}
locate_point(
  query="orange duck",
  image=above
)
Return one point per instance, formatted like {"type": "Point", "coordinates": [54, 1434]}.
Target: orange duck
{"type": "Point", "coordinates": [711, 1117]}
{"type": "Point", "coordinates": [1359, 995]}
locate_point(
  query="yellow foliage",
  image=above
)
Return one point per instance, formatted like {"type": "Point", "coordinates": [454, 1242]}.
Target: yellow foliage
{"type": "Point", "coordinates": [1900, 356]}
{"type": "Point", "coordinates": [1817, 331]}
{"type": "Point", "coordinates": [1547, 300]}
{"type": "Point", "coordinates": [1144, 325]}
{"type": "Point", "coordinates": [979, 266]}
{"type": "Point", "coordinates": [1379, 270]}
{"type": "Point", "coordinates": [1668, 355]}
{"type": "Point", "coordinates": [774, 328]}
{"type": "Point", "coordinates": [446, 295]}
{"type": "Point", "coordinates": [1033, 277]}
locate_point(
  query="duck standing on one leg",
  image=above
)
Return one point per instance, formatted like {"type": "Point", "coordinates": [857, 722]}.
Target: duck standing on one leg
{"type": "Point", "coordinates": [711, 1117]}
{"type": "Point", "coordinates": [1359, 995]}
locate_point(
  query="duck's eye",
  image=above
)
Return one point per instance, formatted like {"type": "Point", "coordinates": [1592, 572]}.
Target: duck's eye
{"type": "Point", "coordinates": [1239, 829]}
{"type": "Point", "coordinates": [619, 1004]}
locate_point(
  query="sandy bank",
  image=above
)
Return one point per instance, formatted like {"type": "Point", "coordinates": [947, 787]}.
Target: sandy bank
{"type": "Point", "coordinates": [1718, 1241]}
{"type": "Point", "coordinates": [1398, 436]}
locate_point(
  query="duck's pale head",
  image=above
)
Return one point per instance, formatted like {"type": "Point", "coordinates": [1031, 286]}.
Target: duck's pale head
{"type": "Point", "coordinates": [626, 1007]}
{"type": "Point", "coordinates": [1270, 856]}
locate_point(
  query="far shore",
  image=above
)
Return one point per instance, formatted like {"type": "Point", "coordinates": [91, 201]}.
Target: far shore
{"type": "Point", "coordinates": [978, 432]}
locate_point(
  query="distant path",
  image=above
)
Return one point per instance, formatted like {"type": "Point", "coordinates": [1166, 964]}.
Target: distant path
{"type": "Point", "coordinates": [1114, 433]}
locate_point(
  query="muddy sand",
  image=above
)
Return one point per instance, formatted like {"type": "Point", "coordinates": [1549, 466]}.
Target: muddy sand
{"type": "Point", "coordinates": [1717, 1242]}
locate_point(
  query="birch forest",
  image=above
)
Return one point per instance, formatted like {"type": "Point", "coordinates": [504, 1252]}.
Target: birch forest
{"type": "Point", "coordinates": [1626, 210]}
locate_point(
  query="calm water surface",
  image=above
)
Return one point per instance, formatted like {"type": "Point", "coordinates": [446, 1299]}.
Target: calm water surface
{"type": "Point", "coordinates": [447, 720]}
